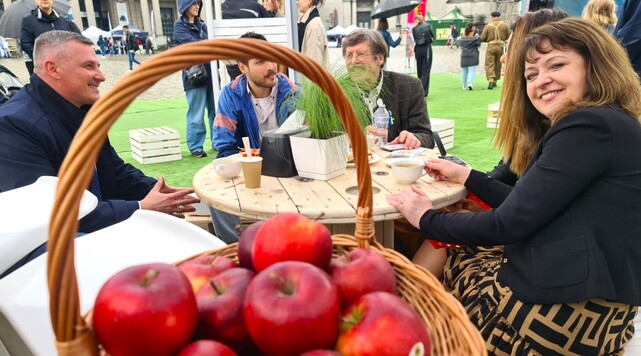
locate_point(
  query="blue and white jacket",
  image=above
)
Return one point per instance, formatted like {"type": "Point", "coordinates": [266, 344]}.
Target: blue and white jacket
{"type": "Point", "coordinates": [236, 118]}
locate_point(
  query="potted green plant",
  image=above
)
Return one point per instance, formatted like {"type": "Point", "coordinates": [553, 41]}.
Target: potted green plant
{"type": "Point", "coordinates": [323, 155]}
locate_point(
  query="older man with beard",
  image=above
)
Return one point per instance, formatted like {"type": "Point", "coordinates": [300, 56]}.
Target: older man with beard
{"type": "Point", "coordinates": [247, 107]}
{"type": "Point", "coordinates": [365, 52]}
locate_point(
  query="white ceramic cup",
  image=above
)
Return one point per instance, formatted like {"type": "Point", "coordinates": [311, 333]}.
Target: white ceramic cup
{"type": "Point", "coordinates": [407, 171]}
{"type": "Point", "coordinates": [227, 167]}
{"type": "Point", "coordinates": [371, 139]}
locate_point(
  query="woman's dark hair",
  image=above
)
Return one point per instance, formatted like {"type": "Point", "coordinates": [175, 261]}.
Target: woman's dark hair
{"type": "Point", "coordinates": [382, 24]}
{"type": "Point", "coordinates": [469, 28]}
{"type": "Point", "coordinates": [317, 3]}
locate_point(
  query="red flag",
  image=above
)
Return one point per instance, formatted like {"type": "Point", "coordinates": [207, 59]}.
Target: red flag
{"type": "Point", "coordinates": [421, 9]}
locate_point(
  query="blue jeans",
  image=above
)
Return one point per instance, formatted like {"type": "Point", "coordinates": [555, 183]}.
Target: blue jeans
{"type": "Point", "coordinates": [103, 50]}
{"type": "Point", "coordinates": [199, 99]}
{"type": "Point", "coordinates": [132, 59]}
{"type": "Point", "coordinates": [468, 75]}
{"type": "Point", "coordinates": [225, 226]}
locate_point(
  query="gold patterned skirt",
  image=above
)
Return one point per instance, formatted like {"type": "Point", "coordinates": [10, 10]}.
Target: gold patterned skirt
{"type": "Point", "coordinates": [511, 327]}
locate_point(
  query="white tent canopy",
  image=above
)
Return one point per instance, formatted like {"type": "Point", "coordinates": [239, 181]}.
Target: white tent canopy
{"type": "Point", "coordinates": [336, 31]}
{"type": "Point", "coordinates": [94, 32]}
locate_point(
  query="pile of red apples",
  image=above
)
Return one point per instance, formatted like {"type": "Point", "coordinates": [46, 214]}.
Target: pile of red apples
{"type": "Point", "coordinates": [286, 296]}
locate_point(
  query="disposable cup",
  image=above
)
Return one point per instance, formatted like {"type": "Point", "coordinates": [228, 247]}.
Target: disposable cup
{"type": "Point", "coordinates": [252, 168]}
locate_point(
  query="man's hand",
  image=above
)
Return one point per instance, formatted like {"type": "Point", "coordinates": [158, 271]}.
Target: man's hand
{"type": "Point", "coordinates": [412, 204]}
{"type": "Point", "coordinates": [170, 200]}
{"type": "Point", "coordinates": [408, 139]}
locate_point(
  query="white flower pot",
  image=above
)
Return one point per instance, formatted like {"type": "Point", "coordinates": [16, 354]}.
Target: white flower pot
{"type": "Point", "coordinates": [320, 159]}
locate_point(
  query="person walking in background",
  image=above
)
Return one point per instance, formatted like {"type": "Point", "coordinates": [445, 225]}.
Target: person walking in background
{"type": "Point", "coordinates": [470, 44]}
{"type": "Point", "coordinates": [312, 40]}
{"type": "Point", "coordinates": [131, 46]}
{"type": "Point", "coordinates": [453, 38]}
{"type": "Point", "coordinates": [602, 13]}
{"type": "Point", "coordinates": [200, 96]}
{"type": "Point", "coordinates": [149, 46]}
{"type": "Point", "coordinates": [383, 28]}
{"type": "Point", "coordinates": [112, 46]}
{"type": "Point", "coordinates": [423, 38]}
{"type": "Point", "coordinates": [101, 44]}
{"type": "Point", "coordinates": [40, 20]}
{"type": "Point", "coordinates": [495, 34]}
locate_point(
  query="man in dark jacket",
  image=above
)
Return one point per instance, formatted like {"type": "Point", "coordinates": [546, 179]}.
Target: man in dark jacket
{"type": "Point", "coordinates": [38, 124]}
{"type": "Point", "coordinates": [40, 20]}
{"type": "Point", "coordinates": [131, 45]}
{"type": "Point", "coordinates": [423, 38]}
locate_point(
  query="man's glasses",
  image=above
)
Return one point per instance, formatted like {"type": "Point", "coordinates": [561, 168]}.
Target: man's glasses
{"type": "Point", "coordinates": [358, 56]}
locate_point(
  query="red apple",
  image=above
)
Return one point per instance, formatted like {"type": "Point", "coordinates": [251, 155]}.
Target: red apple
{"type": "Point", "coordinates": [381, 323]}
{"type": "Point", "coordinates": [245, 245]}
{"type": "Point", "coordinates": [145, 310]}
{"type": "Point", "coordinates": [220, 307]}
{"type": "Point", "coordinates": [292, 237]}
{"type": "Point", "coordinates": [292, 307]}
{"type": "Point", "coordinates": [201, 269]}
{"type": "Point", "coordinates": [206, 348]}
{"type": "Point", "coordinates": [349, 271]}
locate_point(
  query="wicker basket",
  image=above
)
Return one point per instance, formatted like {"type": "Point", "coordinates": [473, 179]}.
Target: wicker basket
{"type": "Point", "coordinates": [450, 330]}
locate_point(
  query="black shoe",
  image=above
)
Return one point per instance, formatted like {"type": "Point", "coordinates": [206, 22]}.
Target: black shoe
{"type": "Point", "coordinates": [492, 85]}
{"type": "Point", "coordinates": [199, 154]}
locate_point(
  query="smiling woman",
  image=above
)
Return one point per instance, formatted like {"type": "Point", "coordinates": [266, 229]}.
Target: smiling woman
{"type": "Point", "coordinates": [555, 78]}
{"type": "Point", "coordinates": [564, 246]}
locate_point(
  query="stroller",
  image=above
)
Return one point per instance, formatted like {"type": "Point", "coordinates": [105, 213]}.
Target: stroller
{"type": "Point", "coordinates": [9, 84]}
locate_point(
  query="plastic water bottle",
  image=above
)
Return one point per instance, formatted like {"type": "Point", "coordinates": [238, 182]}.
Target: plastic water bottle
{"type": "Point", "coordinates": [381, 122]}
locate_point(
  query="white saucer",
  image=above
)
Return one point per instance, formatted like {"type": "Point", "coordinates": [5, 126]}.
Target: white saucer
{"type": "Point", "coordinates": [374, 159]}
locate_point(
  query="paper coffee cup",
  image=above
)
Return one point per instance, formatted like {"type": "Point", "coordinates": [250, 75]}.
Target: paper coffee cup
{"type": "Point", "coordinates": [252, 168]}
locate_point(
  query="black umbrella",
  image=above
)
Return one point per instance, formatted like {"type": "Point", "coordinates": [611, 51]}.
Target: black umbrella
{"type": "Point", "coordinates": [389, 8]}
{"type": "Point", "coordinates": [12, 19]}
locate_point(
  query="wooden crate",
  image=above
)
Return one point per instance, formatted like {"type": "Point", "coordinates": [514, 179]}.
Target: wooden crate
{"type": "Point", "coordinates": [153, 145]}
{"type": "Point", "coordinates": [493, 116]}
{"type": "Point", "coordinates": [445, 129]}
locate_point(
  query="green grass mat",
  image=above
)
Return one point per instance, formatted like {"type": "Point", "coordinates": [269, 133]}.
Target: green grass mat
{"type": "Point", "coordinates": [447, 100]}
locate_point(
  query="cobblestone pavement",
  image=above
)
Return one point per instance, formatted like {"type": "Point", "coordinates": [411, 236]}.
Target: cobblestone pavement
{"type": "Point", "coordinates": [446, 60]}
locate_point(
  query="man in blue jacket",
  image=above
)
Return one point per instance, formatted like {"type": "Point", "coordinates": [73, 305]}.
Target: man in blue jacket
{"type": "Point", "coordinates": [247, 107]}
{"type": "Point", "coordinates": [39, 122]}
{"type": "Point", "coordinates": [40, 20]}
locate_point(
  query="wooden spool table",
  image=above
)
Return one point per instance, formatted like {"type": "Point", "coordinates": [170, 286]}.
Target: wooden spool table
{"type": "Point", "coordinates": [332, 202]}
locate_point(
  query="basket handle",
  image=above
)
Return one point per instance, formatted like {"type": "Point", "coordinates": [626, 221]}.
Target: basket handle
{"type": "Point", "coordinates": [76, 170]}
